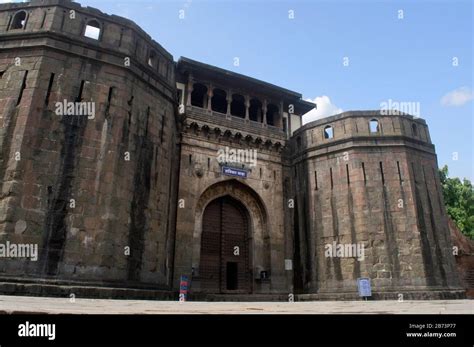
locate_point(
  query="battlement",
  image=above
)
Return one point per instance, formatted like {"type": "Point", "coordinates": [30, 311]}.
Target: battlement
{"type": "Point", "coordinates": [65, 23]}
{"type": "Point", "coordinates": [369, 127]}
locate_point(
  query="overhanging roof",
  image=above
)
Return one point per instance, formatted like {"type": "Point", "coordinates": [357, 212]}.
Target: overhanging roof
{"type": "Point", "coordinates": [186, 64]}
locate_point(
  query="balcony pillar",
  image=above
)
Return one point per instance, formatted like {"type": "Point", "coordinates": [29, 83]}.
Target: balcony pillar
{"type": "Point", "coordinates": [280, 111]}
{"type": "Point", "coordinates": [209, 98]}
{"type": "Point", "coordinates": [247, 107]}
{"type": "Point", "coordinates": [190, 90]}
{"type": "Point", "coordinates": [229, 101]}
{"type": "Point", "coordinates": [264, 112]}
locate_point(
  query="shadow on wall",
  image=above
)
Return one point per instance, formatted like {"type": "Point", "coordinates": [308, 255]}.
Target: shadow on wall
{"type": "Point", "coordinates": [464, 258]}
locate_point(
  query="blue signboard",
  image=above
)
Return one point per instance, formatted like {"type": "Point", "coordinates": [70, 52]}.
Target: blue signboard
{"type": "Point", "coordinates": [230, 171]}
{"type": "Point", "coordinates": [363, 285]}
{"type": "Point", "coordinates": [183, 288]}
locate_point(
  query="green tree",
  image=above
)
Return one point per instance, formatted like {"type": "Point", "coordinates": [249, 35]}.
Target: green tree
{"type": "Point", "coordinates": [459, 201]}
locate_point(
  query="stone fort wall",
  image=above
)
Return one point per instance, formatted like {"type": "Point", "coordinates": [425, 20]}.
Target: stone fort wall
{"type": "Point", "coordinates": [378, 188]}
{"type": "Point", "coordinates": [85, 189]}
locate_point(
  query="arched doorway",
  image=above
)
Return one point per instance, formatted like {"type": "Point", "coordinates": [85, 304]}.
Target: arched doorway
{"type": "Point", "coordinates": [224, 264]}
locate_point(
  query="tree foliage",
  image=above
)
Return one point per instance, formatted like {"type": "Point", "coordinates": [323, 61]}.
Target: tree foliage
{"type": "Point", "coordinates": [459, 201]}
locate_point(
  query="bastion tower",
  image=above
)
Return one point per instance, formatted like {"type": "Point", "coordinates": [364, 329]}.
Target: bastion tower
{"type": "Point", "coordinates": [97, 194]}
{"type": "Point", "coordinates": [370, 179]}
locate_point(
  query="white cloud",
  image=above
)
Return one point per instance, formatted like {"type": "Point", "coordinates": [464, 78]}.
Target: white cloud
{"type": "Point", "coordinates": [324, 108]}
{"type": "Point", "coordinates": [457, 97]}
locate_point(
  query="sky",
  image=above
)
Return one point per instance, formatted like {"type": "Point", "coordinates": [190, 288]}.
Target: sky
{"type": "Point", "coordinates": [344, 55]}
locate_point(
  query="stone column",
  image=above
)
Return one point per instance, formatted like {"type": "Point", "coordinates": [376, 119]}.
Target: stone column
{"type": "Point", "coordinates": [229, 101]}
{"type": "Point", "coordinates": [280, 111]}
{"type": "Point", "coordinates": [247, 106]}
{"type": "Point", "coordinates": [209, 98]}
{"type": "Point", "coordinates": [190, 90]}
{"type": "Point", "coordinates": [264, 112]}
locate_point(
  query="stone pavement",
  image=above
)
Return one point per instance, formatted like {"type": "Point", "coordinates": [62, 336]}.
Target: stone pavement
{"type": "Point", "coordinates": [24, 304]}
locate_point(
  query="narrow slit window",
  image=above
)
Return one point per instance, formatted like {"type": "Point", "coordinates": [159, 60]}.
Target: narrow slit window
{"type": "Point", "coordinates": [92, 30]}
{"type": "Point", "coordinates": [109, 100]}
{"type": "Point", "coordinates": [347, 174]}
{"type": "Point", "coordinates": [148, 111]}
{"type": "Point", "coordinates": [315, 180]}
{"type": "Point", "coordinates": [23, 86]}
{"type": "Point", "coordinates": [399, 172]}
{"type": "Point", "coordinates": [330, 174]}
{"type": "Point", "coordinates": [50, 87]}
{"type": "Point", "coordinates": [62, 20]}
{"type": "Point", "coordinates": [121, 37]}
{"type": "Point", "coordinates": [43, 20]}
{"type": "Point", "coordinates": [381, 172]}
{"type": "Point", "coordinates": [363, 171]}
{"type": "Point", "coordinates": [81, 90]}
{"type": "Point", "coordinates": [414, 130]}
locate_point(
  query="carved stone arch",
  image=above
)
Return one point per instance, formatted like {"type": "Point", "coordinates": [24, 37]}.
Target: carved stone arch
{"type": "Point", "coordinates": [238, 137]}
{"type": "Point", "coordinates": [259, 235]}
{"type": "Point", "coordinates": [217, 132]}
{"type": "Point", "coordinates": [248, 139]}
{"type": "Point", "coordinates": [277, 146]}
{"type": "Point", "coordinates": [194, 127]}
{"type": "Point", "coordinates": [205, 130]}
{"type": "Point", "coordinates": [268, 144]}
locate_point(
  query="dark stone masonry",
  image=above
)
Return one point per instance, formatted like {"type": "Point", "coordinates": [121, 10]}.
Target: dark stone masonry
{"type": "Point", "coordinates": [124, 200]}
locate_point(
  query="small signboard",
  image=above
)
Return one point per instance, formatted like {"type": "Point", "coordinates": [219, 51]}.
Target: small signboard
{"type": "Point", "coordinates": [363, 285]}
{"type": "Point", "coordinates": [183, 288]}
{"type": "Point", "coordinates": [288, 264]}
{"type": "Point", "coordinates": [231, 171]}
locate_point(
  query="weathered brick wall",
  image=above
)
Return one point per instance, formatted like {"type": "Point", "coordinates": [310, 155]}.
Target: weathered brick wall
{"type": "Point", "coordinates": [379, 189]}
{"type": "Point", "coordinates": [119, 168]}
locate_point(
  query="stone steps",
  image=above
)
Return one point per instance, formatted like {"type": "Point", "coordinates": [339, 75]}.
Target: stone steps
{"type": "Point", "coordinates": [81, 291]}
{"type": "Point", "coordinates": [238, 297]}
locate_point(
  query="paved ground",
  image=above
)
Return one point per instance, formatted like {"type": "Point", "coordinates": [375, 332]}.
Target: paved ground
{"type": "Point", "coordinates": [23, 304]}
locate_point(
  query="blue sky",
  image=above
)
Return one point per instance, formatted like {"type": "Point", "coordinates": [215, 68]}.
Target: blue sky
{"type": "Point", "coordinates": [406, 60]}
